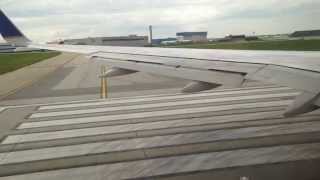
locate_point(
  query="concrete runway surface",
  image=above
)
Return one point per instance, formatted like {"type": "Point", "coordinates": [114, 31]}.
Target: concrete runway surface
{"type": "Point", "coordinates": [78, 78]}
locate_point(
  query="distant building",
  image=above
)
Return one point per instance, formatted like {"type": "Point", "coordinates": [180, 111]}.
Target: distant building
{"type": "Point", "coordinates": [5, 48]}
{"type": "Point", "coordinates": [252, 38]}
{"type": "Point", "coordinates": [163, 41]}
{"type": "Point", "coordinates": [56, 42]}
{"type": "Point", "coordinates": [132, 40]}
{"type": "Point", "coordinates": [150, 34]}
{"type": "Point", "coordinates": [231, 38]}
{"type": "Point", "coordinates": [274, 37]}
{"type": "Point", "coordinates": [192, 36]}
{"type": "Point", "coordinates": [236, 37]}
{"type": "Point", "coordinates": [306, 33]}
{"type": "Point", "coordinates": [169, 42]}
{"type": "Point", "coordinates": [219, 40]}
{"type": "Point", "coordinates": [8, 48]}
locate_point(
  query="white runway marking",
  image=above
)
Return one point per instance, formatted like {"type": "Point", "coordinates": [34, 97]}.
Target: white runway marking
{"type": "Point", "coordinates": [159, 105]}
{"type": "Point", "coordinates": [153, 114]}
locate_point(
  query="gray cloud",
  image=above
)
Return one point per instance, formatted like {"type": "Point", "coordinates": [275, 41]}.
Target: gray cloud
{"type": "Point", "coordinates": [53, 19]}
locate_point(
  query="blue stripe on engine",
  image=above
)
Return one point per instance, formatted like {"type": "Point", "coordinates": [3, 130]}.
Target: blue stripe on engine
{"type": "Point", "coordinates": [7, 28]}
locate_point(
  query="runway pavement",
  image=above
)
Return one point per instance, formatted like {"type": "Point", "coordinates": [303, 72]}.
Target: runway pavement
{"type": "Point", "coordinates": [14, 81]}
{"type": "Point", "coordinates": [78, 78]}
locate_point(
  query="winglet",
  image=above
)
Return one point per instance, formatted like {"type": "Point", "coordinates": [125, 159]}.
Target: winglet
{"type": "Point", "coordinates": [10, 32]}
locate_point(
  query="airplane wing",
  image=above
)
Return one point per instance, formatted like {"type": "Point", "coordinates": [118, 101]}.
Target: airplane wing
{"type": "Point", "coordinates": [206, 69]}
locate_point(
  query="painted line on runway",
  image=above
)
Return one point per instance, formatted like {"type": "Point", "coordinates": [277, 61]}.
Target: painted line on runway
{"type": "Point", "coordinates": [152, 114]}
{"type": "Point", "coordinates": [159, 105]}
{"type": "Point", "coordinates": [169, 97]}
{"type": "Point", "coordinates": [184, 163]}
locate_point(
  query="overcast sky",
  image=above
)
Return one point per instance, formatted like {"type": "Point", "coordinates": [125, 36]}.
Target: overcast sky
{"type": "Point", "coordinates": [46, 20]}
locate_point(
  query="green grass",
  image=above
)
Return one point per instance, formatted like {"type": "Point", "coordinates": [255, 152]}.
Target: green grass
{"type": "Point", "coordinates": [13, 61]}
{"type": "Point", "coordinates": [289, 45]}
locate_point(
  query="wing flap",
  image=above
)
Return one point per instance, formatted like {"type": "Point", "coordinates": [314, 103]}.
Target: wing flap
{"type": "Point", "coordinates": [215, 77]}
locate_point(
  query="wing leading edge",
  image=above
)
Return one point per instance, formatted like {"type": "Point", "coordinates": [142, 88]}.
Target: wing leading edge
{"type": "Point", "coordinates": [206, 69]}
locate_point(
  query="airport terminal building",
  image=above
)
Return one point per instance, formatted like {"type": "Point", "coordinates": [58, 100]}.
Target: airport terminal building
{"type": "Point", "coordinates": [192, 36]}
{"type": "Point", "coordinates": [310, 34]}
{"type": "Point", "coordinates": [131, 40]}
{"type": "Point", "coordinates": [5, 48]}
